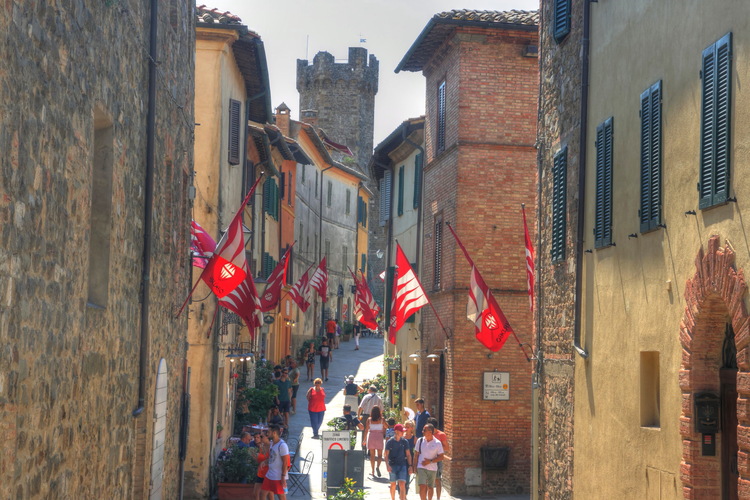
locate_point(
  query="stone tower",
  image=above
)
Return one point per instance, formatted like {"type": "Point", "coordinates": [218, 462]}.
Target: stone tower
{"type": "Point", "coordinates": [340, 97]}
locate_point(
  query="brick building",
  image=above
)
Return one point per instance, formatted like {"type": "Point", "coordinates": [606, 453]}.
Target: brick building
{"type": "Point", "coordinates": [482, 80]}
{"type": "Point", "coordinates": [96, 165]}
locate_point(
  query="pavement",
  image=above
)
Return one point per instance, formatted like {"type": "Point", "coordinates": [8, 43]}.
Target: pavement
{"type": "Point", "coordinates": [366, 363]}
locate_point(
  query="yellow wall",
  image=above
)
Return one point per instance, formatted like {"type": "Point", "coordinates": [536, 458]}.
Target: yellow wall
{"type": "Point", "coordinates": [629, 306]}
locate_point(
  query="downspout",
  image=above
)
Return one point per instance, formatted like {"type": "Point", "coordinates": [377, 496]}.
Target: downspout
{"type": "Point", "coordinates": [145, 338]}
{"type": "Point", "coordinates": [582, 177]}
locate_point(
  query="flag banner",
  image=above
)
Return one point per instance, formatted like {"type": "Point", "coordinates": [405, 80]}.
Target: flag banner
{"type": "Point", "coordinates": [529, 260]}
{"type": "Point", "coordinates": [365, 308]}
{"type": "Point", "coordinates": [276, 281]}
{"type": "Point", "coordinates": [201, 244]}
{"type": "Point", "coordinates": [408, 294]}
{"type": "Point", "coordinates": [244, 301]}
{"type": "Point", "coordinates": [300, 292]}
{"type": "Point", "coordinates": [491, 326]}
{"type": "Point", "coordinates": [319, 280]}
{"type": "Point", "coordinates": [382, 276]}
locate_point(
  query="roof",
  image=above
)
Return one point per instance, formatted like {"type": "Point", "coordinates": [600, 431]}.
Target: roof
{"type": "Point", "coordinates": [353, 169]}
{"type": "Point", "coordinates": [250, 54]}
{"type": "Point", "coordinates": [380, 159]}
{"type": "Point", "coordinates": [443, 24]}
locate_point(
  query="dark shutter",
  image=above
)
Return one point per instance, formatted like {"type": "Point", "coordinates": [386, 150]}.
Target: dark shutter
{"type": "Point", "coordinates": [561, 24]}
{"type": "Point", "coordinates": [438, 260]}
{"type": "Point", "coordinates": [267, 195]}
{"type": "Point", "coordinates": [282, 182]}
{"type": "Point", "coordinates": [559, 195]}
{"type": "Point", "coordinates": [363, 267]}
{"type": "Point", "coordinates": [234, 131]}
{"type": "Point", "coordinates": [650, 209]}
{"type": "Point", "coordinates": [441, 117]}
{"type": "Point", "coordinates": [715, 115]}
{"type": "Point", "coordinates": [417, 180]}
{"type": "Point", "coordinates": [603, 210]}
{"type": "Point", "coordinates": [401, 190]}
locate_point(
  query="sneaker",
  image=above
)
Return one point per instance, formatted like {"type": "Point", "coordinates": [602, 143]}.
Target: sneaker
{"type": "Point", "coordinates": [377, 471]}
{"type": "Point", "coordinates": [326, 379]}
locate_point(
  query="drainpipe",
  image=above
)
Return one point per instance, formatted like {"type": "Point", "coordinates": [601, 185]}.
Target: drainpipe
{"type": "Point", "coordinates": [145, 338]}
{"type": "Point", "coordinates": [582, 177]}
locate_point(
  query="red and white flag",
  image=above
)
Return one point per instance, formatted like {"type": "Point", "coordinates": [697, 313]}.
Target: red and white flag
{"type": "Point", "coordinates": [276, 281]}
{"type": "Point", "coordinates": [365, 308]}
{"type": "Point", "coordinates": [529, 261]}
{"type": "Point", "coordinates": [491, 326]}
{"type": "Point", "coordinates": [408, 294]}
{"type": "Point", "coordinates": [201, 244]}
{"type": "Point", "coordinates": [244, 301]}
{"type": "Point", "coordinates": [300, 292]}
{"type": "Point", "coordinates": [319, 280]}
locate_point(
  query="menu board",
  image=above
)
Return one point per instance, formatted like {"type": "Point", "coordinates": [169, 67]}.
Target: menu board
{"type": "Point", "coordinates": [496, 386]}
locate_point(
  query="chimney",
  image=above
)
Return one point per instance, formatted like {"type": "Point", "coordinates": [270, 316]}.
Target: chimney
{"type": "Point", "coordinates": [282, 118]}
{"type": "Point", "coordinates": [309, 116]}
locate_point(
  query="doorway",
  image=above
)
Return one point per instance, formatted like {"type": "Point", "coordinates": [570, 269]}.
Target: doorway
{"type": "Point", "coordinates": [728, 392]}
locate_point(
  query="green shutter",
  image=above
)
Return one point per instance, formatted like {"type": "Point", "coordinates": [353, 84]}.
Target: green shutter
{"type": "Point", "coordinates": [650, 210]}
{"type": "Point", "coordinates": [401, 190]}
{"type": "Point", "coordinates": [603, 210]}
{"type": "Point", "coordinates": [363, 267]}
{"type": "Point", "coordinates": [559, 196]}
{"type": "Point", "coordinates": [417, 180]}
{"type": "Point", "coordinates": [561, 24]}
{"type": "Point", "coordinates": [267, 195]}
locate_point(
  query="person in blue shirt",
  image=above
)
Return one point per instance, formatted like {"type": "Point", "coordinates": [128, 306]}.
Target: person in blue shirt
{"type": "Point", "coordinates": [421, 418]}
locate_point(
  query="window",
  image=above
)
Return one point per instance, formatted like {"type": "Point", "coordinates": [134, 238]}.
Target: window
{"type": "Point", "coordinates": [304, 168]}
{"type": "Point", "coordinates": [289, 181]}
{"type": "Point", "coordinates": [344, 259]}
{"type": "Point", "coordinates": [100, 218]}
{"type": "Point", "coordinates": [650, 385]}
{"type": "Point", "coordinates": [417, 181]}
{"type": "Point", "coordinates": [385, 198]}
{"type": "Point", "coordinates": [561, 22]}
{"type": "Point", "coordinates": [361, 211]}
{"type": "Point", "coordinates": [603, 210]}
{"type": "Point", "coordinates": [235, 107]}
{"type": "Point", "coordinates": [715, 105]}
{"type": "Point", "coordinates": [559, 202]}
{"type": "Point", "coordinates": [441, 117]}
{"type": "Point", "coordinates": [650, 212]}
{"type": "Point", "coordinates": [328, 253]}
{"type": "Point", "coordinates": [271, 198]}
{"type": "Point", "coordinates": [438, 258]}
{"type": "Point", "coordinates": [363, 266]}
{"type": "Point", "coordinates": [267, 265]}
{"type": "Point", "coordinates": [401, 191]}
{"type": "Point", "coordinates": [248, 179]}
{"type": "Point", "coordinates": [316, 183]}
{"type": "Point", "coordinates": [290, 266]}
{"type": "Point", "coordinates": [348, 201]}
{"type": "Point", "coordinates": [330, 193]}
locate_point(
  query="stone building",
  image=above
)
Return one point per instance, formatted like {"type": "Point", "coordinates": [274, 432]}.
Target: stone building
{"type": "Point", "coordinates": [481, 76]}
{"type": "Point", "coordinates": [339, 99]}
{"type": "Point", "coordinates": [657, 400]}
{"type": "Point", "coordinates": [95, 208]}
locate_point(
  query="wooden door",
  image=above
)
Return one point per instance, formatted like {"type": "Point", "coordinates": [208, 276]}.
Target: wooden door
{"type": "Point", "coordinates": [729, 472]}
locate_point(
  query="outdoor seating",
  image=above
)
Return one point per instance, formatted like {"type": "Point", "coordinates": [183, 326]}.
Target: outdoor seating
{"type": "Point", "coordinates": [294, 445]}
{"type": "Point", "coordinates": [298, 479]}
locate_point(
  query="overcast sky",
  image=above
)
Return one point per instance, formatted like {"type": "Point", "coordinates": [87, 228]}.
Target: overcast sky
{"type": "Point", "coordinates": [299, 29]}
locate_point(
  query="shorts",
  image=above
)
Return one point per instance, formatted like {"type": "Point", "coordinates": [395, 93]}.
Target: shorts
{"type": "Point", "coordinates": [284, 406]}
{"type": "Point", "coordinates": [399, 473]}
{"type": "Point", "coordinates": [259, 480]}
{"type": "Point", "coordinates": [324, 364]}
{"type": "Point", "coordinates": [272, 485]}
{"type": "Point", "coordinates": [439, 474]}
{"type": "Point", "coordinates": [424, 476]}
{"type": "Point", "coordinates": [330, 337]}
{"type": "Point", "coordinates": [295, 388]}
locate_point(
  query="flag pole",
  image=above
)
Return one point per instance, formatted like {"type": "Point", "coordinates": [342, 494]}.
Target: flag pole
{"type": "Point", "coordinates": [242, 207]}
{"type": "Point", "coordinates": [466, 254]}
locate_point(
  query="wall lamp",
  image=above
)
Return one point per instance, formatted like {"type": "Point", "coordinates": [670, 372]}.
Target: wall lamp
{"type": "Point", "coordinates": [434, 357]}
{"type": "Point", "coordinates": [290, 322]}
{"type": "Point", "coordinates": [237, 353]}
{"type": "Point", "coordinates": [416, 356]}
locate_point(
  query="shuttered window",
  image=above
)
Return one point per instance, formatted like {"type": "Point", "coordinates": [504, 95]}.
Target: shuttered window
{"type": "Point", "coordinates": [441, 117]}
{"type": "Point", "coordinates": [385, 198]}
{"type": "Point", "coordinates": [361, 211]}
{"type": "Point", "coordinates": [330, 193]}
{"type": "Point", "coordinates": [267, 265]}
{"type": "Point", "coordinates": [603, 210]}
{"type": "Point", "coordinates": [438, 258]}
{"type": "Point", "coordinates": [417, 181]}
{"type": "Point", "coordinates": [561, 21]}
{"type": "Point", "coordinates": [559, 195]}
{"type": "Point", "coordinates": [401, 190]}
{"type": "Point", "coordinates": [348, 201]}
{"type": "Point", "coordinates": [235, 108]}
{"type": "Point", "coordinates": [271, 198]}
{"type": "Point", "coordinates": [650, 211]}
{"type": "Point", "coordinates": [363, 266]}
{"type": "Point", "coordinates": [715, 107]}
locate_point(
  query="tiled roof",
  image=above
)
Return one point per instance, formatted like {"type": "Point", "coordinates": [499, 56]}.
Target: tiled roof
{"type": "Point", "coordinates": [443, 24]}
{"type": "Point", "coordinates": [213, 16]}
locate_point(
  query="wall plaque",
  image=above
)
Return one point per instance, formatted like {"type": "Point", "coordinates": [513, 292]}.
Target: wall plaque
{"type": "Point", "coordinates": [496, 386]}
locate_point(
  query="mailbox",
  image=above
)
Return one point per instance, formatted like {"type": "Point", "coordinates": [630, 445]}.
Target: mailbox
{"type": "Point", "coordinates": [706, 413]}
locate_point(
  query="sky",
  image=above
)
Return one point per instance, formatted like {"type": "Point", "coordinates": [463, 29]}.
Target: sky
{"type": "Point", "coordinates": [299, 29]}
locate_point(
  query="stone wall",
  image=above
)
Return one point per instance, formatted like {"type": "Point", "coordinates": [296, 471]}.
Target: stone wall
{"type": "Point", "coordinates": [69, 372]}
{"type": "Point", "coordinates": [559, 126]}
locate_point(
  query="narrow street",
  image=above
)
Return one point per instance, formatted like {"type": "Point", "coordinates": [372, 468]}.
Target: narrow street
{"type": "Point", "coordinates": [365, 363]}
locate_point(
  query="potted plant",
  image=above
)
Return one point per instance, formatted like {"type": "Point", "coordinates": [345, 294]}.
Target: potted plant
{"type": "Point", "coordinates": [348, 491]}
{"type": "Point", "coordinates": [235, 472]}
{"type": "Point", "coordinates": [348, 330]}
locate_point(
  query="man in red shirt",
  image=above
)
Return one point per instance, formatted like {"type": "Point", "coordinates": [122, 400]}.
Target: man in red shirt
{"type": "Point", "coordinates": [330, 331]}
{"type": "Point", "coordinates": [443, 438]}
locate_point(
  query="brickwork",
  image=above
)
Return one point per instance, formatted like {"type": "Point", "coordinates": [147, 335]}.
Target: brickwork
{"type": "Point", "coordinates": [559, 126]}
{"type": "Point", "coordinates": [713, 296]}
{"type": "Point", "coordinates": [69, 372]}
{"type": "Point", "coordinates": [478, 184]}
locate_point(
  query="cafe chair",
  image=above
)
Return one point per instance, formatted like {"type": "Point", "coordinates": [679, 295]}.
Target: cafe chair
{"type": "Point", "coordinates": [298, 479]}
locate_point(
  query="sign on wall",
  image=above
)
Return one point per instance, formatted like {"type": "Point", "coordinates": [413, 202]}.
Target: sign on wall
{"type": "Point", "coordinates": [496, 386]}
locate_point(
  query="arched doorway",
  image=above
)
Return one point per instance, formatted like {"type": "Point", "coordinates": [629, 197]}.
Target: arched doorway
{"type": "Point", "coordinates": [715, 334]}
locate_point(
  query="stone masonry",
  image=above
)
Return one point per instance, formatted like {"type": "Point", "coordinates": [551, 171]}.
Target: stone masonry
{"type": "Point", "coordinates": [69, 369]}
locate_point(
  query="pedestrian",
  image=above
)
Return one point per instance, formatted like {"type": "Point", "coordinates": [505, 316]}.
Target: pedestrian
{"type": "Point", "coordinates": [316, 406]}
{"type": "Point", "coordinates": [278, 464]}
{"type": "Point", "coordinates": [294, 377]}
{"type": "Point", "coordinates": [246, 441]}
{"type": "Point", "coordinates": [351, 389]}
{"type": "Point", "coordinates": [357, 330]}
{"type": "Point", "coordinates": [443, 438]}
{"type": "Point", "coordinates": [352, 422]}
{"type": "Point", "coordinates": [310, 353]}
{"type": "Point", "coordinates": [429, 452]}
{"type": "Point", "coordinates": [398, 461]}
{"type": "Point", "coordinates": [337, 336]}
{"type": "Point", "coordinates": [330, 330]}
{"type": "Point", "coordinates": [412, 440]}
{"type": "Point", "coordinates": [368, 402]}
{"type": "Point", "coordinates": [390, 432]}
{"type": "Point", "coordinates": [374, 438]}
{"type": "Point", "coordinates": [422, 416]}
{"type": "Point", "coordinates": [263, 444]}
{"type": "Point", "coordinates": [326, 356]}
{"type": "Point", "coordinates": [285, 395]}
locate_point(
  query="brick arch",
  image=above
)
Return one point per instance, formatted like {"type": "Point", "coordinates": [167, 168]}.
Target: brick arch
{"type": "Point", "coordinates": [714, 296]}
